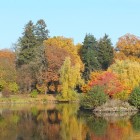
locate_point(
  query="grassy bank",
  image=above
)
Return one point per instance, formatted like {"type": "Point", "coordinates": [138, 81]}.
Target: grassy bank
{"type": "Point", "coordinates": [22, 99]}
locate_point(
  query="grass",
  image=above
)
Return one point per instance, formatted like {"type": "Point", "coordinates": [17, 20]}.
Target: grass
{"type": "Point", "coordinates": [24, 98]}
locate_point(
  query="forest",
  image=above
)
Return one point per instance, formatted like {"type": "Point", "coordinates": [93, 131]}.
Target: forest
{"type": "Point", "coordinates": [93, 70]}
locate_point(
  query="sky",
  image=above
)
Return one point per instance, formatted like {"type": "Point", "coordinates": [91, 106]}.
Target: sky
{"type": "Point", "coordinates": [70, 18]}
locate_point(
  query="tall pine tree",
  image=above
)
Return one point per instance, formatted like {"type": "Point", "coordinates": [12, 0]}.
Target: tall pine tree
{"type": "Point", "coordinates": [88, 55]}
{"type": "Point", "coordinates": [26, 44]}
{"type": "Point", "coordinates": [105, 52]}
{"type": "Point", "coordinates": [31, 52]}
{"type": "Point", "coordinates": [33, 37]}
{"type": "Point", "coordinates": [41, 32]}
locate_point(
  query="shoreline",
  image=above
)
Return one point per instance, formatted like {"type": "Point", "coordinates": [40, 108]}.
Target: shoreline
{"type": "Point", "coordinates": [109, 107]}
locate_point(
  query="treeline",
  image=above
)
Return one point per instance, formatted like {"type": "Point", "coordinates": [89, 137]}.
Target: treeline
{"type": "Point", "coordinates": [43, 64]}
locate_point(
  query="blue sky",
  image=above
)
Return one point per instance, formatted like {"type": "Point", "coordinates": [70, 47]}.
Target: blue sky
{"type": "Point", "coordinates": [70, 18]}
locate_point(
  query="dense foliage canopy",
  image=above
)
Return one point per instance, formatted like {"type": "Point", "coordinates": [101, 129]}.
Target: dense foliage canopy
{"type": "Point", "coordinates": [43, 64]}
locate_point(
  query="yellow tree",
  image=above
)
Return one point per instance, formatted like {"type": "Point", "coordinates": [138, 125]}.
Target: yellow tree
{"type": "Point", "coordinates": [70, 77]}
{"type": "Point", "coordinates": [128, 72]}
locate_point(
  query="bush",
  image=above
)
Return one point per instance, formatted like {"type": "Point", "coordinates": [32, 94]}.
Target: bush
{"type": "Point", "coordinates": [13, 87]}
{"type": "Point", "coordinates": [2, 85]}
{"type": "Point", "coordinates": [34, 94]}
{"type": "Point", "coordinates": [95, 97]}
{"type": "Point", "coordinates": [135, 97]}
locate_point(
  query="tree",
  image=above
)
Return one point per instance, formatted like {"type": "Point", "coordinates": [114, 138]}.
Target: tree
{"type": "Point", "coordinates": [105, 52]}
{"type": "Point", "coordinates": [128, 72]}
{"type": "Point", "coordinates": [8, 74]}
{"type": "Point", "coordinates": [39, 64]}
{"type": "Point", "coordinates": [88, 55]}
{"type": "Point", "coordinates": [106, 79]}
{"type": "Point", "coordinates": [129, 44]}
{"type": "Point", "coordinates": [31, 55]}
{"type": "Point", "coordinates": [55, 58]}
{"type": "Point", "coordinates": [7, 66]}
{"type": "Point", "coordinates": [66, 44]}
{"type": "Point", "coordinates": [56, 50]}
{"type": "Point", "coordinates": [41, 32]}
{"type": "Point", "coordinates": [25, 79]}
{"type": "Point", "coordinates": [69, 78]}
{"type": "Point", "coordinates": [26, 44]}
{"type": "Point", "coordinates": [33, 37]}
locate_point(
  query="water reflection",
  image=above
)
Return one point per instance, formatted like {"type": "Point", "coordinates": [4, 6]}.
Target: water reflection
{"type": "Point", "coordinates": [64, 122]}
{"type": "Point", "coordinates": [136, 122]}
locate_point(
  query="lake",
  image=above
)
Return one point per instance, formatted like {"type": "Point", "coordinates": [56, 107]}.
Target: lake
{"type": "Point", "coordinates": [64, 122]}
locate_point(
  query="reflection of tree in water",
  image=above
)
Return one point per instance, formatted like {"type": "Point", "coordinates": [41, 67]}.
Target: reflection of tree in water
{"type": "Point", "coordinates": [63, 122]}
{"type": "Point", "coordinates": [60, 123]}
{"type": "Point", "coordinates": [97, 125]}
{"type": "Point", "coordinates": [54, 116]}
{"type": "Point", "coordinates": [135, 120]}
{"type": "Point", "coordinates": [30, 125]}
{"type": "Point", "coordinates": [71, 128]}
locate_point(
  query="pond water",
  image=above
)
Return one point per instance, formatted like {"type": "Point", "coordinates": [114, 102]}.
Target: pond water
{"type": "Point", "coordinates": [64, 122]}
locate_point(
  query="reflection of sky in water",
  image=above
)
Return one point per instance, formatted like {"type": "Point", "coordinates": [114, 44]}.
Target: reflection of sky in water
{"type": "Point", "coordinates": [64, 122]}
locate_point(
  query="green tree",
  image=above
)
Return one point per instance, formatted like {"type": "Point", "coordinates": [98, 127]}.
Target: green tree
{"type": "Point", "coordinates": [105, 52]}
{"type": "Point", "coordinates": [135, 97]}
{"type": "Point", "coordinates": [31, 55]}
{"type": "Point", "coordinates": [33, 37]}
{"type": "Point", "coordinates": [88, 55]}
{"type": "Point", "coordinates": [41, 32]}
{"type": "Point", "coordinates": [39, 65]}
{"type": "Point", "coordinates": [93, 98]}
{"type": "Point", "coordinates": [26, 44]}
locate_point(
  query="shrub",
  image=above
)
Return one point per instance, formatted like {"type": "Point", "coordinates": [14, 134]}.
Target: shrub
{"type": "Point", "coordinates": [13, 87]}
{"type": "Point", "coordinates": [2, 84]}
{"type": "Point", "coordinates": [34, 94]}
{"type": "Point", "coordinates": [135, 97]}
{"type": "Point", "coordinates": [95, 97]}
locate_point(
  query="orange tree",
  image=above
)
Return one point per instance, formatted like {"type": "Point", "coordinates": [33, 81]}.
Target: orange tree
{"type": "Point", "coordinates": [56, 50]}
{"type": "Point", "coordinates": [128, 47]}
{"type": "Point", "coordinates": [106, 79]}
{"type": "Point", "coordinates": [8, 75]}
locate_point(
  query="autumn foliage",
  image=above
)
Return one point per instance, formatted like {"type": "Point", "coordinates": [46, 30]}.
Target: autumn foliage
{"type": "Point", "coordinates": [129, 44]}
{"type": "Point", "coordinates": [57, 65]}
{"type": "Point", "coordinates": [107, 79]}
{"type": "Point", "coordinates": [128, 72]}
{"type": "Point", "coordinates": [67, 45]}
{"type": "Point", "coordinates": [8, 75]}
{"type": "Point", "coordinates": [56, 51]}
